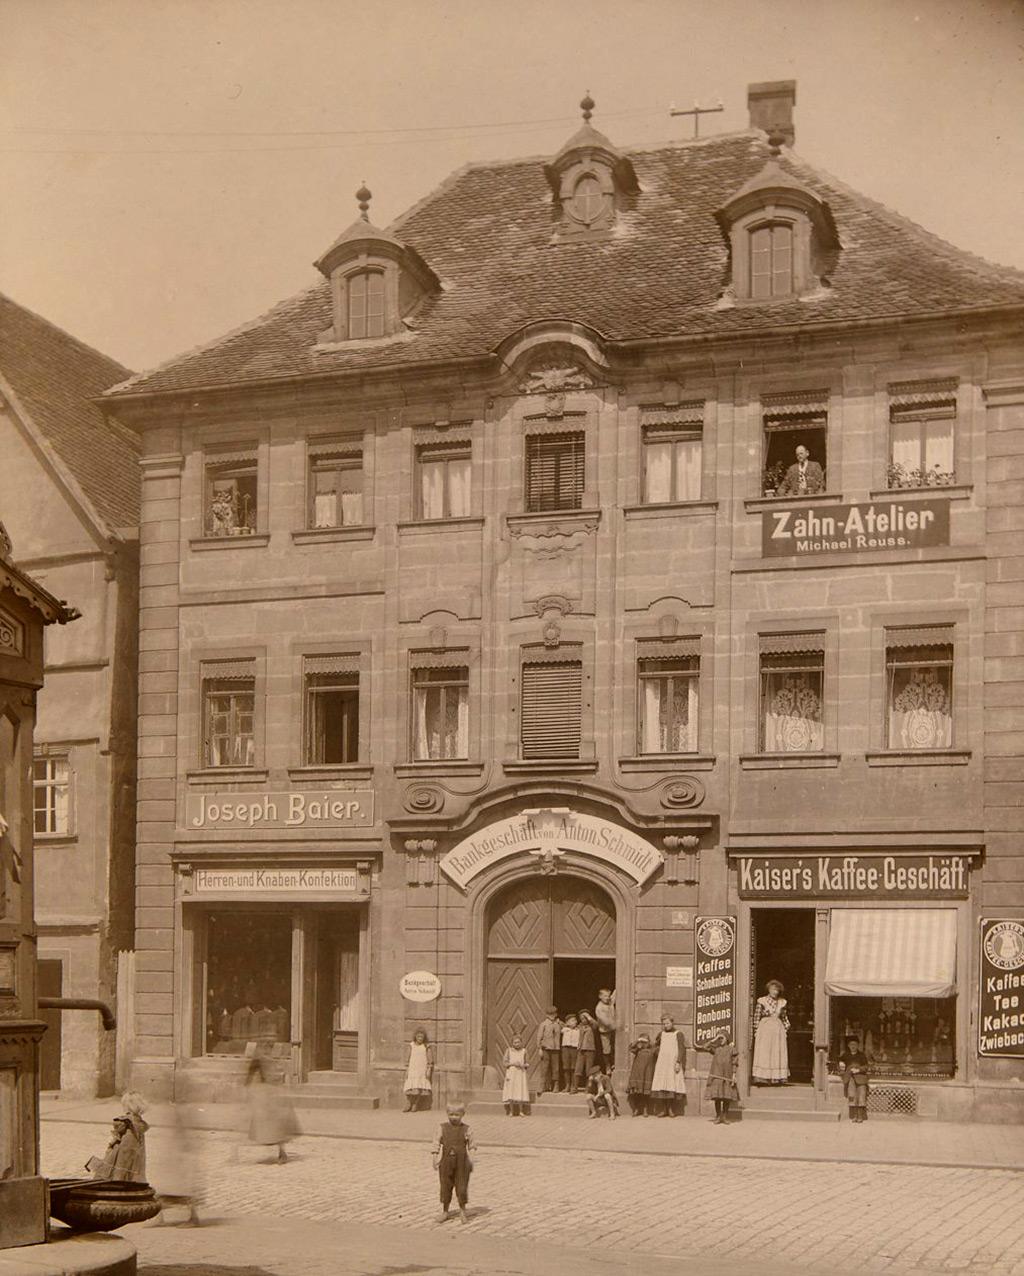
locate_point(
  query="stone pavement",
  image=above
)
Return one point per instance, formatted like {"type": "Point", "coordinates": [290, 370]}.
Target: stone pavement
{"type": "Point", "coordinates": [725, 1213]}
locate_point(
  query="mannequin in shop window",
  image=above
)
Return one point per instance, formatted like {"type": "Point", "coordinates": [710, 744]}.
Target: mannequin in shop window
{"type": "Point", "coordinates": [771, 1026]}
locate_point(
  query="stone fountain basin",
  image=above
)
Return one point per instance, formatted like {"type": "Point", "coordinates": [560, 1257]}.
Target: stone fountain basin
{"type": "Point", "coordinates": [101, 1205]}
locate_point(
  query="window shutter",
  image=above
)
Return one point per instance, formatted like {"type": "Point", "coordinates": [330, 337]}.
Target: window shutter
{"type": "Point", "coordinates": [552, 709]}
{"type": "Point", "coordinates": [554, 471]}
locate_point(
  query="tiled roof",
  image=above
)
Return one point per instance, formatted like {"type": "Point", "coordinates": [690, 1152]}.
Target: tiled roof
{"type": "Point", "coordinates": [487, 234]}
{"type": "Point", "coordinates": [56, 379]}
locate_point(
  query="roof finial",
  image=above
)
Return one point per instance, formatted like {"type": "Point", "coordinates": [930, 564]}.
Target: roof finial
{"type": "Point", "coordinates": [587, 106]}
{"type": "Point", "coordinates": [775, 139]}
{"type": "Point", "coordinates": [364, 195]}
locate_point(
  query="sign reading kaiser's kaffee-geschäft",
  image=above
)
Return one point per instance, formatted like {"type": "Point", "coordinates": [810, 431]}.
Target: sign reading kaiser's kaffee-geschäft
{"type": "Point", "coordinates": [853, 876]}
{"type": "Point", "coordinates": [1001, 1003]}
{"type": "Point", "coordinates": [847, 529]}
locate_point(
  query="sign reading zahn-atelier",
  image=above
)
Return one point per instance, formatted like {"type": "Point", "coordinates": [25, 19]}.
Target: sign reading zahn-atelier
{"type": "Point", "coordinates": [842, 529]}
{"type": "Point", "coordinates": [854, 876]}
{"type": "Point", "coordinates": [308, 809]}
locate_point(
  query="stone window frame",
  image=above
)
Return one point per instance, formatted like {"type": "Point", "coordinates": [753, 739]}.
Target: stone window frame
{"type": "Point", "coordinates": [457, 646]}
{"type": "Point", "coordinates": [341, 279]}
{"type": "Point", "coordinates": [571, 418]}
{"type": "Point", "coordinates": [214, 442]}
{"type": "Point", "coordinates": [191, 719]}
{"type": "Point", "coordinates": [741, 231]}
{"type": "Point", "coordinates": [348, 446]}
{"type": "Point", "coordinates": [360, 648]}
{"type": "Point", "coordinates": [57, 751]}
{"type": "Point", "coordinates": [347, 432]}
{"type": "Point", "coordinates": [576, 634]}
{"type": "Point", "coordinates": [688, 417]}
{"type": "Point", "coordinates": [685, 647]}
{"type": "Point", "coordinates": [457, 436]}
{"type": "Point", "coordinates": [756, 628]}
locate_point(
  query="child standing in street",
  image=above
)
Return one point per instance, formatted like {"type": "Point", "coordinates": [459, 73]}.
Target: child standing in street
{"type": "Point", "coordinates": [549, 1043]}
{"type": "Point", "coordinates": [515, 1093]}
{"type": "Point", "coordinates": [604, 1014]}
{"type": "Point", "coordinates": [453, 1162]}
{"type": "Point", "coordinates": [587, 1049]}
{"type": "Point", "coordinates": [418, 1073]}
{"type": "Point", "coordinates": [570, 1048]}
{"type": "Point", "coordinates": [641, 1073]}
{"type": "Point", "coordinates": [601, 1096]}
{"type": "Point", "coordinates": [722, 1075]}
{"type": "Point", "coordinates": [854, 1069]}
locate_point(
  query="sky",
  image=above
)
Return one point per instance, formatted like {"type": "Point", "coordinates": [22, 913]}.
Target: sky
{"type": "Point", "coordinates": [171, 168]}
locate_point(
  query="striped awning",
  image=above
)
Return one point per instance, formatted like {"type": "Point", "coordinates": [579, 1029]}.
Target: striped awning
{"type": "Point", "coordinates": [892, 952]}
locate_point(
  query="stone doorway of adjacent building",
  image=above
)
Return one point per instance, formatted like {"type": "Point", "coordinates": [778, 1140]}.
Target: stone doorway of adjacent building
{"type": "Point", "coordinates": [782, 947]}
{"type": "Point", "coordinates": [550, 940]}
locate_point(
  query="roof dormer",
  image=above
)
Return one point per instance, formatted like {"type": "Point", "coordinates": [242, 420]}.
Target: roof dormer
{"type": "Point", "coordinates": [376, 280]}
{"type": "Point", "coordinates": [590, 179]}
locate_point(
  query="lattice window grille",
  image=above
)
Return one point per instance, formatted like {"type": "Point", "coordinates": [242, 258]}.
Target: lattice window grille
{"type": "Point", "coordinates": [898, 1099]}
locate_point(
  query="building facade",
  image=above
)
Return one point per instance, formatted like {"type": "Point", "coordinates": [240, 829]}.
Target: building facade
{"type": "Point", "coordinates": [587, 585]}
{"type": "Point", "coordinates": [69, 495]}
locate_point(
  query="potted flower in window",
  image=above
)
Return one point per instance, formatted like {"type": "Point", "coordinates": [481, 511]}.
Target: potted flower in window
{"type": "Point", "coordinates": [772, 477]}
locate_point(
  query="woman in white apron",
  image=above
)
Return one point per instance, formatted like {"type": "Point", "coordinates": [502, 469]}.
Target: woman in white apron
{"type": "Point", "coordinates": [771, 1024]}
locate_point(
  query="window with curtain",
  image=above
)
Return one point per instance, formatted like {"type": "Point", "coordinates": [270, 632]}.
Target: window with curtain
{"type": "Point", "coordinates": [51, 795]}
{"type": "Point", "coordinates": [229, 699]}
{"type": "Point", "coordinates": [672, 463]}
{"type": "Point", "coordinates": [792, 688]}
{"type": "Point", "coordinates": [919, 689]}
{"type": "Point", "coordinates": [921, 444]}
{"type": "Point", "coordinates": [331, 686]}
{"type": "Point", "coordinates": [336, 488]}
{"type": "Point", "coordinates": [554, 471]}
{"type": "Point", "coordinates": [668, 704]}
{"type": "Point", "coordinates": [551, 709]}
{"type": "Point", "coordinates": [366, 304]}
{"type": "Point", "coordinates": [231, 493]}
{"type": "Point", "coordinates": [440, 713]}
{"type": "Point", "coordinates": [444, 480]}
{"type": "Point", "coordinates": [771, 261]}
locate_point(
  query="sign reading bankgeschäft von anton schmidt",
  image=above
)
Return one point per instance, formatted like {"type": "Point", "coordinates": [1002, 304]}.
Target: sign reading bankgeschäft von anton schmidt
{"type": "Point", "coordinates": [301, 809]}
{"type": "Point", "coordinates": [547, 834]}
{"type": "Point", "coordinates": [847, 529]}
{"type": "Point", "coordinates": [854, 876]}
{"type": "Point", "coordinates": [1001, 1004]}
{"type": "Point", "coordinates": [714, 945]}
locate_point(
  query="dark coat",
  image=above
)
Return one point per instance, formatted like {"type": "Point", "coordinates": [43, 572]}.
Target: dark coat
{"type": "Point", "coordinates": [815, 476]}
{"type": "Point", "coordinates": [641, 1071]}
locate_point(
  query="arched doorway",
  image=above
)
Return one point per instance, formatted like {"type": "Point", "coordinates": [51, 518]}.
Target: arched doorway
{"type": "Point", "coordinates": [550, 940]}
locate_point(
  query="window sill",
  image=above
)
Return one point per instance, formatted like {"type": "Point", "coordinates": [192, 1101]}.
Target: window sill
{"type": "Point", "coordinates": [332, 771]}
{"type": "Point", "coordinates": [258, 539]}
{"type": "Point", "coordinates": [668, 762]}
{"type": "Point", "coordinates": [754, 504]}
{"type": "Point", "coordinates": [526, 519]}
{"type": "Point", "coordinates": [439, 525]}
{"type": "Point", "coordinates": [668, 509]}
{"type": "Point", "coordinates": [917, 757]}
{"type": "Point", "coordinates": [786, 761]}
{"type": "Point", "coordinates": [53, 839]}
{"type": "Point", "coordinates": [321, 535]}
{"type": "Point", "coordinates": [546, 765]}
{"type": "Point", "coordinates": [954, 492]}
{"type": "Point", "coordinates": [219, 774]}
{"type": "Point", "coordinates": [437, 766]}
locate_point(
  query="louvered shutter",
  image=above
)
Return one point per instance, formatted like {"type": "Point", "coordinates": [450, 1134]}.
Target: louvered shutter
{"type": "Point", "coordinates": [554, 471]}
{"type": "Point", "coordinates": [552, 699]}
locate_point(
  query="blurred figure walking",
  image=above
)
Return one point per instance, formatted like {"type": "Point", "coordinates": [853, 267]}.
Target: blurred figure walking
{"type": "Point", "coordinates": [271, 1115]}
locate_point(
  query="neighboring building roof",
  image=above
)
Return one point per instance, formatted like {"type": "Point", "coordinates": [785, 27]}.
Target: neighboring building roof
{"type": "Point", "coordinates": [50, 608]}
{"type": "Point", "coordinates": [54, 380]}
{"type": "Point", "coordinates": [487, 234]}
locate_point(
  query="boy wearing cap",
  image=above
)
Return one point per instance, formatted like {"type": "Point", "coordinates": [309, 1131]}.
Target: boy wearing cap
{"type": "Point", "coordinates": [549, 1043]}
{"type": "Point", "coordinates": [587, 1049]}
{"type": "Point", "coordinates": [570, 1048]}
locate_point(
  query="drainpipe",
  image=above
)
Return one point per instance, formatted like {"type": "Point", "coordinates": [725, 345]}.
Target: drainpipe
{"type": "Point", "coordinates": [81, 1003]}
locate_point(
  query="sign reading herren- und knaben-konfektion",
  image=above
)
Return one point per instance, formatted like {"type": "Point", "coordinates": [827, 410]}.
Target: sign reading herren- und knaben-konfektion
{"type": "Point", "coordinates": [302, 808]}
{"type": "Point", "coordinates": [846, 529]}
{"type": "Point", "coordinates": [853, 876]}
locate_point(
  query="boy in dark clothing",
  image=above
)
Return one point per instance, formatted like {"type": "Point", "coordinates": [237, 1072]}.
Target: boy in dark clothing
{"type": "Point", "coordinates": [549, 1043]}
{"type": "Point", "coordinates": [601, 1096]}
{"type": "Point", "coordinates": [854, 1069]}
{"type": "Point", "coordinates": [587, 1049]}
{"type": "Point", "coordinates": [570, 1048]}
{"type": "Point", "coordinates": [638, 1087]}
{"type": "Point", "coordinates": [452, 1161]}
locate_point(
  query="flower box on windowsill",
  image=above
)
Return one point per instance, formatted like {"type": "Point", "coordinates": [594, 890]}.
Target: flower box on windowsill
{"type": "Point", "coordinates": [917, 757]}
{"type": "Point", "coordinates": [954, 492]}
{"type": "Point", "coordinates": [325, 772]}
{"type": "Point", "coordinates": [517, 766]}
{"type": "Point", "coordinates": [668, 762]}
{"type": "Point", "coordinates": [228, 775]}
{"type": "Point", "coordinates": [437, 766]}
{"type": "Point", "coordinates": [754, 504]}
{"type": "Point", "coordinates": [321, 535]}
{"type": "Point", "coordinates": [251, 541]}
{"type": "Point", "coordinates": [786, 761]}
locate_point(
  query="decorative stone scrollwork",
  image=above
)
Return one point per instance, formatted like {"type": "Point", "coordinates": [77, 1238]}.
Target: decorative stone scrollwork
{"type": "Point", "coordinates": [423, 799]}
{"type": "Point", "coordinates": [554, 377]}
{"type": "Point", "coordinates": [681, 791]}
{"type": "Point", "coordinates": [688, 844]}
{"type": "Point", "coordinates": [553, 539]}
{"type": "Point", "coordinates": [420, 861]}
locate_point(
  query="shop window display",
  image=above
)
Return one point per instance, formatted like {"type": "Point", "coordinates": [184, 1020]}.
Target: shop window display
{"type": "Point", "coordinates": [249, 974]}
{"type": "Point", "coordinates": [903, 1037]}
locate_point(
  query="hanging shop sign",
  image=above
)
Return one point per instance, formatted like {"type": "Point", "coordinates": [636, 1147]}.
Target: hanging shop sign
{"type": "Point", "coordinates": [1001, 1004]}
{"type": "Point", "coordinates": [714, 945]}
{"type": "Point", "coordinates": [302, 809]}
{"type": "Point", "coordinates": [548, 834]}
{"type": "Point", "coordinates": [853, 876]}
{"type": "Point", "coordinates": [289, 880]}
{"type": "Point", "coordinates": [420, 985]}
{"type": "Point", "coordinates": [841, 529]}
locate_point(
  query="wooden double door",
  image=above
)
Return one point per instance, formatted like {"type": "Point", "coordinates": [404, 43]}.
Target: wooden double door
{"type": "Point", "coordinates": [551, 940]}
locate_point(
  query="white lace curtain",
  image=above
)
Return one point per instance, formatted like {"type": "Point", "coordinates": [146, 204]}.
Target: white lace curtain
{"type": "Point", "coordinates": [441, 722]}
{"type": "Point", "coordinates": [793, 716]}
{"type": "Point", "coordinates": [921, 716]}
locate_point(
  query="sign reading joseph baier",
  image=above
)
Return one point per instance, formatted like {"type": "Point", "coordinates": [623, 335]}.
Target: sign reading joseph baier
{"type": "Point", "coordinates": [547, 833]}
{"type": "Point", "coordinates": [841, 529]}
{"type": "Point", "coordinates": [330, 808]}
{"type": "Point", "coordinates": [1001, 1005]}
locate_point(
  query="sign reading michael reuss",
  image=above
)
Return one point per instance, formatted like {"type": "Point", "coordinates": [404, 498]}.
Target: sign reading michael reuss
{"type": "Point", "coordinates": [300, 809]}
{"type": "Point", "coordinates": [715, 951]}
{"type": "Point", "coordinates": [846, 529]}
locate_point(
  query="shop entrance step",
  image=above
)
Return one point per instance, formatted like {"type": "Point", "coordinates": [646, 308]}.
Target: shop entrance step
{"type": "Point", "coordinates": [783, 1103]}
{"type": "Point", "coordinates": [338, 1091]}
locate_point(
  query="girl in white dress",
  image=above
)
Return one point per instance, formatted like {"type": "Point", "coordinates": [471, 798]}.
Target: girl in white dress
{"type": "Point", "coordinates": [515, 1093]}
{"type": "Point", "coordinates": [418, 1073]}
{"type": "Point", "coordinates": [669, 1080]}
{"type": "Point", "coordinates": [771, 1024]}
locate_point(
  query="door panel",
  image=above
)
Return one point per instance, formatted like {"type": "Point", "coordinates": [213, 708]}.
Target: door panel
{"type": "Point", "coordinates": [582, 919]}
{"type": "Point", "coordinates": [517, 995]}
{"type": "Point", "coordinates": [522, 922]}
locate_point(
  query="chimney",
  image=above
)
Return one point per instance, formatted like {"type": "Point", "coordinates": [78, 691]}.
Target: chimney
{"type": "Point", "coordinates": [771, 107]}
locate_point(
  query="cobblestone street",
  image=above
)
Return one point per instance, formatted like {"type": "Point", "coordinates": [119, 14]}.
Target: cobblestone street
{"type": "Point", "coordinates": [729, 1215]}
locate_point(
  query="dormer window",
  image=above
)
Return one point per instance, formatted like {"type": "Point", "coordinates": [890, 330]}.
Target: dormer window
{"type": "Point", "coordinates": [588, 201]}
{"type": "Point", "coordinates": [589, 180]}
{"type": "Point", "coordinates": [771, 260]}
{"type": "Point", "coordinates": [366, 304]}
